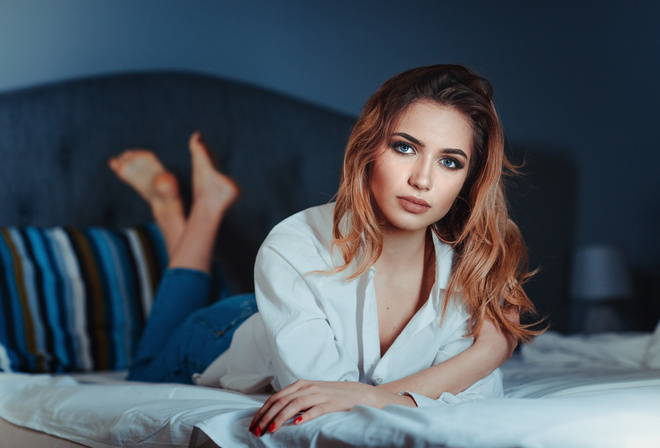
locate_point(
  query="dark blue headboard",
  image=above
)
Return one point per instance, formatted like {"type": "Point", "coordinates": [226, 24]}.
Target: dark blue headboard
{"type": "Point", "coordinates": [55, 141]}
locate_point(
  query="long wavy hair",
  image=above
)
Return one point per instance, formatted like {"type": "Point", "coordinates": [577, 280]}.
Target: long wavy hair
{"type": "Point", "coordinates": [490, 261]}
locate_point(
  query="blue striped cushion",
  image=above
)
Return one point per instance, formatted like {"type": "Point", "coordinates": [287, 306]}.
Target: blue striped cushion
{"type": "Point", "coordinates": [75, 300]}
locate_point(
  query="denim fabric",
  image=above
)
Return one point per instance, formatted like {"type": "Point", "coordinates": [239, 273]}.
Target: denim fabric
{"type": "Point", "coordinates": [183, 335]}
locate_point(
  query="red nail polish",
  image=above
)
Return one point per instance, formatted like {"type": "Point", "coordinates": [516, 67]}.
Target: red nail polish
{"type": "Point", "coordinates": [271, 427]}
{"type": "Point", "coordinates": [251, 428]}
{"type": "Point", "coordinates": [257, 432]}
{"type": "Point", "coordinates": [297, 420]}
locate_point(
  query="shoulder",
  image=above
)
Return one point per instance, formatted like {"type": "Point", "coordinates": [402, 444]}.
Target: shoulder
{"type": "Point", "coordinates": [312, 221]}
{"type": "Point", "coordinates": [305, 237]}
{"type": "Point", "coordinates": [313, 225]}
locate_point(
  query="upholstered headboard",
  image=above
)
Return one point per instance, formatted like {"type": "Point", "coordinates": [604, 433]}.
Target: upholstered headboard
{"type": "Point", "coordinates": [55, 141]}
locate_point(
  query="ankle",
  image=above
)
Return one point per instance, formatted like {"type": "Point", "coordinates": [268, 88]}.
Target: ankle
{"type": "Point", "coordinates": [209, 207]}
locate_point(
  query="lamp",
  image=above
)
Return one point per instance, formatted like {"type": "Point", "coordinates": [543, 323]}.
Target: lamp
{"type": "Point", "coordinates": [599, 281]}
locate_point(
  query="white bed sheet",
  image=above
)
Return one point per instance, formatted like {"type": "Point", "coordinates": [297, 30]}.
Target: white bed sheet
{"type": "Point", "coordinates": [570, 402]}
{"type": "Point", "coordinates": [102, 412]}
{"type": "Point", "coordinates": [600, 409]}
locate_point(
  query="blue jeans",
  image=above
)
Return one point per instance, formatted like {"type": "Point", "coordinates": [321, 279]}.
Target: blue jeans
{"type": "Point", "coordinates": [183, 335]}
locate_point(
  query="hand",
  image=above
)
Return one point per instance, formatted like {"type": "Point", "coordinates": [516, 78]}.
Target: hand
{"type": "Point", "coordinates": [310, 399]}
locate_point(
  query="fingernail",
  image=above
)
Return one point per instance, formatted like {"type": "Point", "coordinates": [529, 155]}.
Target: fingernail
{"type": "Point", "coordinates": [257, 432]}
{"type": "Point", "coordinates": [271, 427]}
{"type": "Point", "coordinates": [297, 420]}
{"type": "Point", "coordinates": [251, 428]}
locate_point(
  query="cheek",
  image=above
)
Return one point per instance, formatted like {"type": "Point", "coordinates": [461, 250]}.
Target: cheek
{"type": "Point", "coordinates": [380, 178]}
{"type": "Point", "coordinates": [372, 181]}
{"type": "Point", "coordinates": [374, 184]}
{"type": "Point", "coordinates": [450, 192]}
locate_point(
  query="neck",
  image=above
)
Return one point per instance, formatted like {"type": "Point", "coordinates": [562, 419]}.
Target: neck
{"type": "Point", "coordinates": [404, 249]}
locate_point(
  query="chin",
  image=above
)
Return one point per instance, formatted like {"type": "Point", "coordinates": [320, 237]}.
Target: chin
{"type": "Point", "coordinates": [408, 225]}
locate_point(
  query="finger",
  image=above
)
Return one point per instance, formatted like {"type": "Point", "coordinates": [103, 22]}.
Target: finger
{"type": "Point", "coordinates": [311, 414]}
{"type": "Point", "coordinates": [293, 408]}
{"type": "Point", "coordinates": [262, 410]}
{"type": "Point", "coordinates": [284, 409]}
{"type": "Point", "coordinates": [264, 417]}
{"type": "Point", "coordinates": [292, 388]}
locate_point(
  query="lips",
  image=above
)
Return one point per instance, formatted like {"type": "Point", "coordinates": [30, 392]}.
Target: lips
{"type": "Point", "coordinates": [414, 205]}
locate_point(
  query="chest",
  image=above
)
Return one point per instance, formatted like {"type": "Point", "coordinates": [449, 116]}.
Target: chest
{"type": "Point", "coordinates": [410, 338]}
{"type": "Point", "coordinates": [398, 299]}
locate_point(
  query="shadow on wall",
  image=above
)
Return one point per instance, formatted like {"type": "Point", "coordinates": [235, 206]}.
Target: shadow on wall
{"type": "Point", "coordinates": [648, 295]}
{"type": "Point", "coordinates": [646, 276]}
{"type": "Point", "coordinates": [543, 204]}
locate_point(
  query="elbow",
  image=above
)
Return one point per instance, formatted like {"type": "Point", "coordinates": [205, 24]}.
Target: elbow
{"type": "Point", "coordinates": [494, 344]}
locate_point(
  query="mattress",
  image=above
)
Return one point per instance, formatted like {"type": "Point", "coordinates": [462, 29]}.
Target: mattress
{"type": "Point", "coordinates": [561, 393]}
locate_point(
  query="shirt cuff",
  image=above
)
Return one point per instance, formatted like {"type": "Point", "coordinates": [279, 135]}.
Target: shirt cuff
{"type": "Point", "coordinates": [445, 399]}
{"type": "Point", "coordinates": [488, 387]}
{"type": "Point", "coordinates": [420, 400]}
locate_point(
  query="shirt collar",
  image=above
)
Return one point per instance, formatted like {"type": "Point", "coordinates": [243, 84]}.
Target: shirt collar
{"type": "Point", "coordinates": [444, 255]}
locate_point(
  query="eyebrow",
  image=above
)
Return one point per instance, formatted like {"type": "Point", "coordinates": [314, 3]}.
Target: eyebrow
{"type": "Point", "coordinates": [412, 139]}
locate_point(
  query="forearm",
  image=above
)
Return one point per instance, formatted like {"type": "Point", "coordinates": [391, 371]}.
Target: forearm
{"type": "Point", "coordinates": [489, 351]}
{"type": "Point", "coordinates": [453, 375]}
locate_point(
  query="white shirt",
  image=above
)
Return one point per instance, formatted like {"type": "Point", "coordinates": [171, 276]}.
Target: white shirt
{"type": "Point", "coordinates": [316, 326]}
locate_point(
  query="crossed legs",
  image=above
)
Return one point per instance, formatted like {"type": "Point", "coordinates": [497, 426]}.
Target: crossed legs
{"type": "Point", "coordinates": [183, 335]}
{"type": "Point", "coordinates": [189, 240]}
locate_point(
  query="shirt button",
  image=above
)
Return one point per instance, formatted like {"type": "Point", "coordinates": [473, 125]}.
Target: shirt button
{"type": "Point", "coordinates": [378, 380]}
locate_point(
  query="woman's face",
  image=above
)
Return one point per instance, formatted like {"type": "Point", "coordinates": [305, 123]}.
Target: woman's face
{"type": "Point", "coordinates": [422, 167]}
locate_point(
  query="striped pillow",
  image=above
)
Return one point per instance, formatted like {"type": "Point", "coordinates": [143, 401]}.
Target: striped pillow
{"type": "Point", "coordinates": [75, 300]}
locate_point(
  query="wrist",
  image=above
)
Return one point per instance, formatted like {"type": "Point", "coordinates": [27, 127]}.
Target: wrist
{"type": "Point", "coordinates": [383, 397]}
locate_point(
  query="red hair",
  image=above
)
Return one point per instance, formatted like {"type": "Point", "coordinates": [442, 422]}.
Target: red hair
{"type": "Point", "coordinates": [490, 258]}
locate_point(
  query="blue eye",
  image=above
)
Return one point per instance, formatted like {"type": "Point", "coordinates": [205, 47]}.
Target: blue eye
{"type": "Point", "coordinates": [451, 163]}
{"type": "Point", "coordinates": [403, 148]}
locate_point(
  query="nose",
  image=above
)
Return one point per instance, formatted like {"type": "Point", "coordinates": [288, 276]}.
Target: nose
{"type": "Point", "coordinates": [421, 177]}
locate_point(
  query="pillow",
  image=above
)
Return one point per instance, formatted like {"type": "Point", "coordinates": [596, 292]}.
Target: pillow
{"type": "Point", "coordinates": [75, 300]}
{"type": "Point", "coordinates": [652, 357]}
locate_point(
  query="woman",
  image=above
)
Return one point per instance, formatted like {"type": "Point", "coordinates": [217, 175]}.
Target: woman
{"type": "Point", "coordinates": [366, 300]}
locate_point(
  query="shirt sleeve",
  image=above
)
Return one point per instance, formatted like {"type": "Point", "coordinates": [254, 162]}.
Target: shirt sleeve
{"type": "Point", "coordinates": [488, 387]}
{"type": "Point", "coordinates": [299, 337]}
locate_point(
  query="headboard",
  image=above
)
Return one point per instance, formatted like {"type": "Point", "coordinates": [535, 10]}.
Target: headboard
{"type": "Point", "coordinates": [55, 141]}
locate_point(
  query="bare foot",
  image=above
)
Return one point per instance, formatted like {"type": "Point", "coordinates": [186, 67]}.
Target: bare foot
{"type": "Point", "coordinates": [141, 169]}
{"type": "Point", "coordinates": [213, 193]}
{"type": "Point", "coordinates": [210, 187]}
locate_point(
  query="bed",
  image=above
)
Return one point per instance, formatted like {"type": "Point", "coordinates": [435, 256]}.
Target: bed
{"type": "Point", "coordinates": [564, 391]}
{"type": "Point", "coordinates": [80, 259]}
